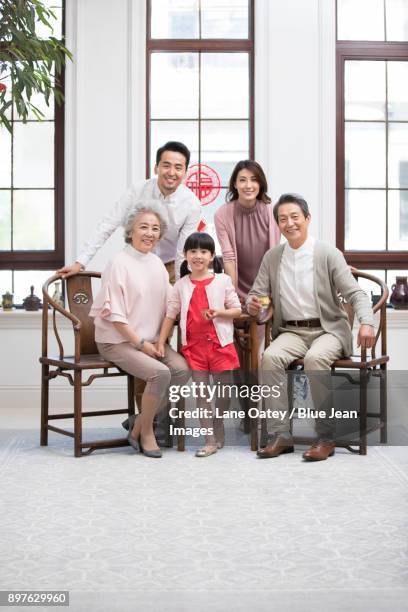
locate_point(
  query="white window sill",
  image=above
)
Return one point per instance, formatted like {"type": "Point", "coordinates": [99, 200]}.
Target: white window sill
{"type": "Point", "coordinates": [23, 319]}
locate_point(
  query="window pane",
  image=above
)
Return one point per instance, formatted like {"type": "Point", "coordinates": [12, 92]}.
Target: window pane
{"type": "Point", "coordinates": [364, 90]}
{"type": "Point", "coordinates": [33, 220]}
{"type": "Point", "coordinates": [5, 220]}
{"type": "Point", "coordinates": [33, 154]}
{"type": "Point", "coordinates": [175, 19]}
{"type": "Point", "coordinates": [39, 102]}
{"type": "Point", "coordinates": [398, 220]}
{"type": "Point", "coordinates": [25, 278]}
{"type": "Point", "coordinates": [361, 207]}
{"type": "Point", "coordinates": [224, 19]}
{"type": "Point", "coordinates": [368, 286]}
{"type": "Point", "coordinates": [360, 20]}
{"type": "Point", "coordinates": [163, 131]}
{"type": "Point", "coordinates": [5, 158]}
{"type": "Point", "coordinates": [398, 91]}
{"type": "Point", "coordinates": [56, 23]}
{"type": "Point", "coordinates": [397, 19]}
{"type": "Point", "coordinates": [365, 154]}
{"type": "Point", "coordinates": [174, 85]}
{"type": "Point", "coordinates": [7, 82]}
{"type": "Point", "coordinates": [208, 213]}
{"type": "Point", "coordinates": [220, 74]}
{"type": "Point", "coordinates": [223, 144]}
{"type": "Point", "coordinates": [204, 182]}
{"type": "Point", "coordinates": [398, 155]}
{"type": "Point", "coordinates": [6, 282]}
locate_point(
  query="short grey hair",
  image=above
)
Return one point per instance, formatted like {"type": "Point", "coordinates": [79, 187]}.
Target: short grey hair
{"type": "Point", "coordinates": [149, 206]}
{"type": "Point", "coordinates": [291, 198]}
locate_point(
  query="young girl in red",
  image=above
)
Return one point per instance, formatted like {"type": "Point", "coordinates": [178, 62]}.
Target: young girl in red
{"type": "Point", "coordinates": [207, 304]}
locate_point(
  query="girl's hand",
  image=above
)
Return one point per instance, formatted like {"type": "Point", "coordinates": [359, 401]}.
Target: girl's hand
{"type": "Point", "coordinates": [211, 313]}
{"type": "Point", "coordinates": [149, 349]}
{"type": "Point", "coordinates": [160, 348]}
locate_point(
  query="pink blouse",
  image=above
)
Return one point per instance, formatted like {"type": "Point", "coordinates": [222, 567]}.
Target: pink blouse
{"type": "Point", "coordinates": [135, 288]}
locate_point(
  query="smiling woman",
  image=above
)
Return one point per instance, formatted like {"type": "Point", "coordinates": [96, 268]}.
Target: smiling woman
{"type": "Point", "coordinates": [145, 225]}
{"type": "Point", "coordinates": [128, 312]}
{"type": "Point", "coordinates": [245, 225]}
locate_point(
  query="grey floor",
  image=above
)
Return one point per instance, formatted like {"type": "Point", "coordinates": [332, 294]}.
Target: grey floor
{"type": "Point", "coordinates": [122, 532]}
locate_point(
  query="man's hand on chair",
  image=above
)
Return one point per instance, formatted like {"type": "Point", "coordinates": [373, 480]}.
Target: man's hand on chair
{"type": "Point", "coordinates": [70, 270]}
{"type": "Point", "coordinates": [254, 306]}
{"type": "Point", "coordinates": [366, 336]}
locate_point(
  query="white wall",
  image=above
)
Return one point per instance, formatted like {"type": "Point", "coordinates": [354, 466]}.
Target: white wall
{"type": "Point", "coordinates": [105, 141]}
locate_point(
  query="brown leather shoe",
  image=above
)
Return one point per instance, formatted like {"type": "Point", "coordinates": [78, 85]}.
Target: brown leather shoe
{"type": "Point", "coordinates": [278, 446]}
{"type": "Point", "coordinates": [320, 450]}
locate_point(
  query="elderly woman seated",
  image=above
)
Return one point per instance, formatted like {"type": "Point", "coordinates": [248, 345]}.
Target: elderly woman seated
{"type": "Point", "coordinates": [128, 312]}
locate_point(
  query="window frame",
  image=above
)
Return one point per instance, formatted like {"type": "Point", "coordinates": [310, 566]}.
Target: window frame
{"type": "Point", "coordinates": [360, 50]}
{"type": "Point", "coordinates": [205, 45]}
{"type": "Point", "coordinates": [47, 259]}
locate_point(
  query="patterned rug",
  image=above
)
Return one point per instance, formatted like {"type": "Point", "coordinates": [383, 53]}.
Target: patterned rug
{"type": "Point", "coordinates": [123, 532]}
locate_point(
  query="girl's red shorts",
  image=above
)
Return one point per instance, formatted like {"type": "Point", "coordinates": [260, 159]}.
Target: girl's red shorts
{"type": "Point", "coordinates": [207, 355]}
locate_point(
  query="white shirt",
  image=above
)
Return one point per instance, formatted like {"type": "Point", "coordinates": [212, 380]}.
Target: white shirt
{"type": "Point", "coordinates": [297, 296]}
{"type": "Point", "coordinates": [183, 209]}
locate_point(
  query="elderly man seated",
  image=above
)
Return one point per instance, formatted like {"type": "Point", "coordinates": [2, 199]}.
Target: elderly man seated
{"type": "Point", "coordinates": [303, 277]}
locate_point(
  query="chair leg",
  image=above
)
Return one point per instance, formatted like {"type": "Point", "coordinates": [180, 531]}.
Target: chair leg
{"type": "Point", "coordinates": [45, 384]}
{"type": "Point", "coordinates": [181, 422]}
{"type": "Point", "coordinates": [289, 382]}
{"type": "Point", "coordinates": [254, 433]}
{"type": "Point", "coordinates": [363, 412]}
{"type": "Point", "coordinates": [383, 404]}
{"type": "Point", "coordinates": [78, 412]}
{"type": "Point", "coordinates": [247, 419]}
{"type": "Point", "coordinates": [131, 394]}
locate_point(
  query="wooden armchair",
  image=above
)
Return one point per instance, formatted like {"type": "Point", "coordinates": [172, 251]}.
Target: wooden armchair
{"type": "Point", "coordinates": [72, 367]}
{"type": "Point", "coordinates": [368, 365]}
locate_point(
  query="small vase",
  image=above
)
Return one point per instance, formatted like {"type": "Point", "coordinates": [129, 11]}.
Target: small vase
{"type": "Point", "coordinates": [399, 295]}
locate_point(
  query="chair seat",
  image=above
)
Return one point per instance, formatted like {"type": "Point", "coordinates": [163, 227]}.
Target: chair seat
{"type": "Point", "coordinates": [353, 362]}
{"type": "Point", "coordinates": [87, 362]}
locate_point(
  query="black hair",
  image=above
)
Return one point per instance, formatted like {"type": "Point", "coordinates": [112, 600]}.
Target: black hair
{"type": "Point", "coordinates": [256, 169]}
{"type": "Point", "coordinates": [200, 240]}
{"type": "Point", "coordinates": [177, 147]}
{"type": "Point", "coordinates": [291, 198]}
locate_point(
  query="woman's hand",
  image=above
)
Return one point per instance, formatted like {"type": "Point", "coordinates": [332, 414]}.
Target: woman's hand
{"type": "Point", "coordinates": [160, 348]}
{"type": "Point", "coordinates": [149, 349]}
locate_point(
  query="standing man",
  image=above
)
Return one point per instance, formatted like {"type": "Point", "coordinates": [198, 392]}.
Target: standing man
{"type": "Point", "coordinates": [183, 208]}
{"type": "Point", "coordinates": [303, 278]}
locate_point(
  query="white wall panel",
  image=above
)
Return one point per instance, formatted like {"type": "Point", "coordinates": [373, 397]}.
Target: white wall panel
{"type": "Point", "coordinates": [105, 141]}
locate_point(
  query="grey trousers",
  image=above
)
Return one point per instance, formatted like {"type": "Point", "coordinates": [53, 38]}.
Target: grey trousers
{"type": "Point", "coordinates": [318, 350]}
{"type": "Point", "coordinates": [158, 374]}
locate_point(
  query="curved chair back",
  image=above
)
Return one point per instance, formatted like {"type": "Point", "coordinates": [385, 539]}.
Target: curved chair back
{"type": "Point", "coordinates": [80, 300]}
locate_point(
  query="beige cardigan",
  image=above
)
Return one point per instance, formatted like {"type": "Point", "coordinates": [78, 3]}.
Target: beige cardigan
{"type": "Point", "coordinates": [331, 275]}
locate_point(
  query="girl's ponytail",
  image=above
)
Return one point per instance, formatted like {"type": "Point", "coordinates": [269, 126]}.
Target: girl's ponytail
{"type": "Point", "coordinates": [217, 264]}
{"type": "Point", "coordinates": [184, 269]}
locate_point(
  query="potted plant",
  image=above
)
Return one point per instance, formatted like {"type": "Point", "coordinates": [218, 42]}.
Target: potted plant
{"type": "Point", "coordinates": [29, 64]}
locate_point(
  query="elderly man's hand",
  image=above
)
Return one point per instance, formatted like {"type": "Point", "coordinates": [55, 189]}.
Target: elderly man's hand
{"type": "Point", "coordinates": [366, 336]}
{"type": "Point", "coordinates": [254, 306]}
